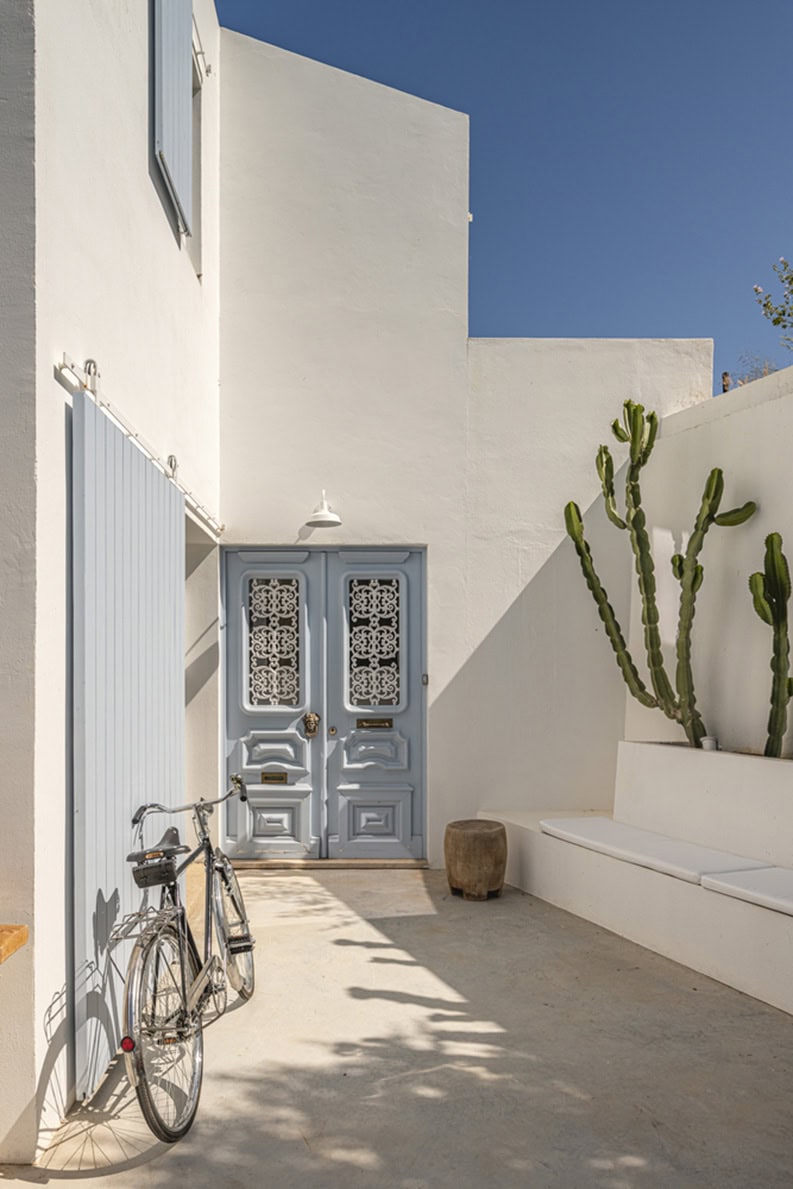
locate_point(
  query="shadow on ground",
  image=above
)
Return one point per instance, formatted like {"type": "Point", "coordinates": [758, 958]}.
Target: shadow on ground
{"type": "Point", "coordinates": [403, 1037]}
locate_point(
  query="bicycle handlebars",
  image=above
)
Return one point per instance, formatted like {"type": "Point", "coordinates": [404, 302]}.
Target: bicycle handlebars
{"type": "Point", "coordinates": [237, 789]}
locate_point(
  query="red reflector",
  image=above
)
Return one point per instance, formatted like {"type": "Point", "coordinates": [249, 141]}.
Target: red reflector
{"type": "Point", "coordinates": [127, 1044]}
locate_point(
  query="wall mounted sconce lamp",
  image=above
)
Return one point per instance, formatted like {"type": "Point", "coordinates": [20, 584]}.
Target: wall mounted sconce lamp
{"type": "Point", "coordinates": [323, 516]}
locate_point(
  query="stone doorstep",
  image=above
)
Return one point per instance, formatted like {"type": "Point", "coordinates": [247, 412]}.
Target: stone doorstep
{"type": "Point", "coordinates": [253, 865]}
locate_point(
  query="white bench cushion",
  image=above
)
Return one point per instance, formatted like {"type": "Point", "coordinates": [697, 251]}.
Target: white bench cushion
{"type": "Point", "coordinates": [770, 887]}
{"type": "Point", "coordinates": [671, 856]}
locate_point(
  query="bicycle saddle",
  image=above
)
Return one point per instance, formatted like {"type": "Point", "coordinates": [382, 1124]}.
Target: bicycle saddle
{"type": "Point", "coordinates": [168, 846]}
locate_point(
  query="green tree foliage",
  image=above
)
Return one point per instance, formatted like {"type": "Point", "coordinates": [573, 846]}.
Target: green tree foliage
{"type": "Point", "coordinates": [779, 313]}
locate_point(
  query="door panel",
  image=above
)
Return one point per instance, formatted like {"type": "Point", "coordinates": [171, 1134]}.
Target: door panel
{"type": "Point", "coordinates": [339, 634]}
{"type": "Point", "coordinates": [275, 641]}
{"type": "Point", "coordinates": [375, 704]}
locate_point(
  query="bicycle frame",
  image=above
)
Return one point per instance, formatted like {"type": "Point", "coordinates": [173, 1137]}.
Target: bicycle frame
{"type": "Point", "coordinates": [168, 988]}
{"type": "Point", "coordinates": [172, 910]}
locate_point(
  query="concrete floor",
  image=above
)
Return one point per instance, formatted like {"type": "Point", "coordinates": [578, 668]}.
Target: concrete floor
{"type": "Point", "coordinates": [403, 1037]}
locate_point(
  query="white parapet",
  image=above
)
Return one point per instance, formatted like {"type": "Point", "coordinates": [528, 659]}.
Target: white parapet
{"type": "Point", "coordinates": [733, 802]}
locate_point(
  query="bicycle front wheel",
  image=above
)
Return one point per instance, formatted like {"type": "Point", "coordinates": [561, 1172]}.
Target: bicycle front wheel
{"type": "Point", "coordinates": [233, 930]}
{"type": "Point", "coordinates": [168, 1055]}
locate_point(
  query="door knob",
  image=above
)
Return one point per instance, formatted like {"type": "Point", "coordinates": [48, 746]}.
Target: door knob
{"type": "Point", "coordinates": [311, 723]}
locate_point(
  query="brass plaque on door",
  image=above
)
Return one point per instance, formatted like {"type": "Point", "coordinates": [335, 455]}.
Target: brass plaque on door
{"type": "Point", "coordinates": [375, 724]}
{"type": "Point", "coordinates": [274, 777]}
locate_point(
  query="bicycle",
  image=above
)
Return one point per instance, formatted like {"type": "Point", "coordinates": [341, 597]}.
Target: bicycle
{"type": "Point", "coordinates": [168, 987]}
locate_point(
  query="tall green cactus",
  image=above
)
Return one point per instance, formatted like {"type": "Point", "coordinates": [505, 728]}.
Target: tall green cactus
{"type": "Point", "coordinates": [575, 527]}
{"type": "Point", "coordinates": [771, 594]}
{"type": "Point", "coordinates": [690, 574]}
{"type": "Point", "coordinates": [639, 431]}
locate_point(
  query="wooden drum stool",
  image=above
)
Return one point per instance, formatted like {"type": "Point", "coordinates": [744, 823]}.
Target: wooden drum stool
{"type": "Point", "coordinates": [476, 857]}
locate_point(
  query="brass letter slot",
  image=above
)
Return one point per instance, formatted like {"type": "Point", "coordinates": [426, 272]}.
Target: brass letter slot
{"type": "Point", "coordinates": [374, 724]}
{"type": "Point", "coordinates": [274, 777]}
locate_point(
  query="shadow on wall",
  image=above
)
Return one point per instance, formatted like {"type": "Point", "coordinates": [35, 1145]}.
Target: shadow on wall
{"type": "Point", "coordinates": [99, 992]}
{"type": "Point", "coordinates": [533, 718]}
{"type": "Point", "coordinates": [199, 671]}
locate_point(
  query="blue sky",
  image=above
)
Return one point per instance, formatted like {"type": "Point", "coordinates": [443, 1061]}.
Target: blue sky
{"type": "Point", "coordinates": [631, 173]}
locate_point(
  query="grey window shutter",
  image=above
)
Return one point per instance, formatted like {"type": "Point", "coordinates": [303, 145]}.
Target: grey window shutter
{"type": "Point", "coordinates": [173, 101]}
{"type": "Point", "coordinates": [128, 703]}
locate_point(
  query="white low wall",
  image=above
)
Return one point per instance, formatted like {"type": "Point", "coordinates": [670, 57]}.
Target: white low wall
{"type": "Point", "coordinates": [737, 803]}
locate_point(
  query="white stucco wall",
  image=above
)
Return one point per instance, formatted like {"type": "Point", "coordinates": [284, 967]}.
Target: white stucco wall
{"type": "Point", "coordinates": [345, 365]}
{"type": "Point", "coordinates": [534, 712]}
{"type": "Point", "coordinates": [202, 664]}
{"type": "Point", "coordinates": [344, 251]}
{"type": "Point", "coordinates": [17, 563]}
{"type": "Point", "coordinates": [114, 283]}
{"type": "Point", "coordinates": [746, 432]}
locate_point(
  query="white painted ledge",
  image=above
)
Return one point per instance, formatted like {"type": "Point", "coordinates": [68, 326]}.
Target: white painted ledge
{"type": "Point", "coordinates": [670, 856]}
{"type": "Point", "coordinates": [769, 887]}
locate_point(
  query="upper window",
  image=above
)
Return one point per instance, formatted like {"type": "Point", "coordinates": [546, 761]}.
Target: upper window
{"type": "Point", "coordinates": [194, 240]}
{"type": "Point", "coordinates": [173, 103]}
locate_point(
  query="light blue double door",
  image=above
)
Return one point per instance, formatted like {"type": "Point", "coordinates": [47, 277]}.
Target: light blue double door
{"type": "Point", "coordinates": [325, 702]}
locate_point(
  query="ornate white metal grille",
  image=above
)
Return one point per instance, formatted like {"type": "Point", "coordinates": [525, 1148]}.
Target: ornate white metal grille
{"type": "Point", "coordinates": [374, 637]}
{"type": "Point", "coordinates": [274, 641]}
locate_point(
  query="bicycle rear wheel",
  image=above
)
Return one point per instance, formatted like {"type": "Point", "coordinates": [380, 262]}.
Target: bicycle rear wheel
{"type": "Point", "coordinates": [233, 930]}
{"type": "Point", "coordinates": [168, 1054]}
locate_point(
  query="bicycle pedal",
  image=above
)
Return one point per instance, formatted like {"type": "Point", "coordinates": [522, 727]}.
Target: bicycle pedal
{"type": "Point", "coordinates": [240, 945]}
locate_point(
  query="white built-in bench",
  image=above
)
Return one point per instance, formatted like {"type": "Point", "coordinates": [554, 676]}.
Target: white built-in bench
{"type": "Point", "coordinates": [770, 887]}
{"type": "Point", "coordinates": [695, 861]}
{"type": "Point", "coordinates": [672, 856]}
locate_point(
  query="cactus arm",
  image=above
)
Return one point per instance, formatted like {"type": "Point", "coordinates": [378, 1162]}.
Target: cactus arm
{"type": "Point", "coordinates": [771, 594]}
{"type": "Point", "coordinates": [691, 577]}
{"type": "Point", "coordinates": [690, 581]}
{"type": "Point", "coordinates": [736, 515]}
{"type": "Point", "coordinates": [650, 434]}
{"type": "Point", "coordinates": [619, 432]}
{"type": "Point", "coordinates": [636, 423]}
{"type": "Point", "coordinates": [777, 567]}
{"type": "Point", "coordinates": [575, 529]}
{"type": "Point", "coordinates": [643, 559]}
{"type": "Point", "coordinates": [604, 465]}
{"type": "Point", "coordinates": [761, 603]}
{"type": "Point", "coordinates": [780, 687]}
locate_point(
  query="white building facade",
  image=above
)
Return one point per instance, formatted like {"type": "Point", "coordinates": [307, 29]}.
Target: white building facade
{"type": "Point", "coordinates": [311, 333]}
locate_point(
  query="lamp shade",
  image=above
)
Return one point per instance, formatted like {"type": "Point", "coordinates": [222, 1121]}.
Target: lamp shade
{"type": "Point", "coordinates": [323, 516]}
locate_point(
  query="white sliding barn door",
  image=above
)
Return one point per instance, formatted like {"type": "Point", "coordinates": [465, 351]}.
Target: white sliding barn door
{"type": "Point", "coordinates": [128, 700]}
